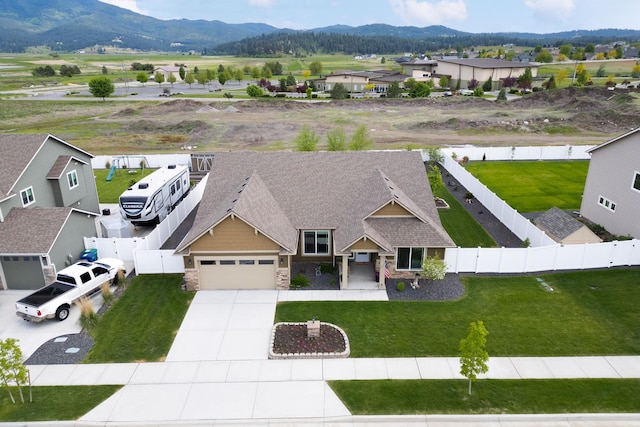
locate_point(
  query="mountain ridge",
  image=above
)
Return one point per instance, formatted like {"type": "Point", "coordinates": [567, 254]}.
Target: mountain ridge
{"type": "Point", "coordinates": [67, 25]}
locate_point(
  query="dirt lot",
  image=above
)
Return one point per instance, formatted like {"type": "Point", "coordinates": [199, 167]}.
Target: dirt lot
{"type": "Point", "coordinates": [564, 116]}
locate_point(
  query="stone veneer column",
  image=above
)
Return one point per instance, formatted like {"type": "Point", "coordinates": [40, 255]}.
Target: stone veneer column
{"type": "Point", "coordinates": [283, 279]}
{"type": "Point", "coordinates": [191, 279]}
{"type": "Point", "coordinates": [49, 274]}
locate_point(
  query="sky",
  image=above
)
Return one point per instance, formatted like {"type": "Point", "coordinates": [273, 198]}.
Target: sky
{"type": "Point", "coordinates": [474, 16]}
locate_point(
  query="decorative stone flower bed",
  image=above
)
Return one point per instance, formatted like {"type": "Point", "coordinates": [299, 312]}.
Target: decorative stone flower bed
{"type": "Point", "coordinates": [290, 341]}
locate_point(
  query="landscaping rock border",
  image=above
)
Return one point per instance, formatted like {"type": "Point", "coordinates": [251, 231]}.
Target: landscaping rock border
{"type": "Point", "coordinates": [344, 354]}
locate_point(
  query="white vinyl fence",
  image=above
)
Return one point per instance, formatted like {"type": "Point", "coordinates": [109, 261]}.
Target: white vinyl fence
{"type": "Point", "coordinates": [144, 252]}
{"type": "Point", "coordinates": [544, 253]}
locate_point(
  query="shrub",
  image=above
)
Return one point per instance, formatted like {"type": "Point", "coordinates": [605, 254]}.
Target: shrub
{"type": "Point", "coordinates": [526, 243]}
{"type": "Point", "coordinates": [327, 268]}
{"type": "Point", "coordinates": [299, 281]}
{"type": "Point", "coordinates": [88, 316]}
{"type": "Point", "coordinates": [107, 295]}
{"type": "Point", "coordinates": [400, 286]}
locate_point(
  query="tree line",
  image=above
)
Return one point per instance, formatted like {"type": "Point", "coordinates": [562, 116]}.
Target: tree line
{"type": "Point", "coordinates": [309, 43]}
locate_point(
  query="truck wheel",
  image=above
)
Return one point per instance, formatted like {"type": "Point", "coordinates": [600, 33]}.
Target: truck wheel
{"type": "Point", "coordinates": [62, 312]}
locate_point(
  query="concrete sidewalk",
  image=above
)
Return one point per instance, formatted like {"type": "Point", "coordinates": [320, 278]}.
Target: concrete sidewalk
{"type": "Point", "coordinates": [217, 372]}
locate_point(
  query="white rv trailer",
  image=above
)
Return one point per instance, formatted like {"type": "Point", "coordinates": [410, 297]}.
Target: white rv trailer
{"type": "Point", "coordinates": [152, 198]}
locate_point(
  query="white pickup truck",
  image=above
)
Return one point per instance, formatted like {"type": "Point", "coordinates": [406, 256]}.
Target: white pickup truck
{"type": "Point", "coordinates": [73, 282]}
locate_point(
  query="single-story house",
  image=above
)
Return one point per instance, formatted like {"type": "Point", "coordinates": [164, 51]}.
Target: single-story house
{"type": "Point", "coordinates": [262, 212]}
{"type": "Point", "coordinates": [611, 195]}
{"type": "Point", "coordinates": [564, 228]}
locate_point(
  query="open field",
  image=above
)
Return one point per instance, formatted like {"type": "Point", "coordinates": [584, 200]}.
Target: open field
{"type": "Point", "coordinates": [534, 186]}
{"type": "Point", "coordinates": [123, 125]}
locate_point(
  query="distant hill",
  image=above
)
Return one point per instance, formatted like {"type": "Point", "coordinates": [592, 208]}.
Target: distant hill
{"type": "Point", "coordinates": [68, 25]}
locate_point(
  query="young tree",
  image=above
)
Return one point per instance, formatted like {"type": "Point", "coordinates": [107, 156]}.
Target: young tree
{"type": "Point", "coordinates": [142, 77]}
{"type": "Point", "coordinates": [360, 139]}
{"type": "Point", "coordinates": [502, 95]}
{"type": "Point", "coordinates": [435, 155]}
{"type": "Point", "coordinates": [101, 87]}
{"type": "Point", "coordinates": [255, 73]}
{"type": "Point", "coordinates": [158, 77]}
{"type": "Point", "coordinates": [306, 140]}
{"type": "Point", "coordinates": [420, 90]}
{"type": "Point", "coordinates": [444, 82]}
{"type": "Point", "coordinates": [189, 79]}
{"type": "Point", "coordinates": [339, 91]}
{"type": "Point", "coordinates": [526, 79]}
{"type": "Point", "coordinates": [488, 85]}
{"type": "Point", "coordinates": [316, 68]}
{"type": "Point", "coordinates": [472, 84]}
{"type": "Point", "coordinates": [254, 91]}
{"type": "Point", "coordinates": [635, 71]}
{"type": "Point", "coordinates": [473, 356]}
{"type": "Point", "coordinates": [561, 76]}
{"type": "Point", "coordinates": [551, 83]}
{"type": "Point", "coordinates": [478, 92]}
{"type": "Point", "coordinates": [283, 85]}
{"type": "Point", "coordinates": [104, 70]}
{"type": "Point", "coordinates": [171, 78]}
{"type": "Point", "coordinates": [222, 77]}
{"type": "Point", "coordinates": [12, 369]}
{"type": "Point", "coordinates": [336, 140]}
{"type": "Point", "coordinates": [202, 77]}
{"type": "Point", "coordinates": [291, 81]}
{"type": "Point", "coordinates": [394, 90]}
{"type": "Point", "coordinates": [182, 73]}
{"type": "Point", "coordinates": [238, 75]}
{"type": "Point", "coordinates": [601, 71]}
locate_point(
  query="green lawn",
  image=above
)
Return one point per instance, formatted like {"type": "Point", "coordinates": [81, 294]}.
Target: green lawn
{"type": "Point", "coordinates": [53, 403]}
{"type": "Point", "coordinates": [534, 186]}
{"type": "Point", "coordinates": [588, 313]}
{"type": "Point", "coordinates": [143, 323]}
{"type": "Point", "coordinates": [385, 397]}
{"type": "Point", "coordinates": [463, 229]}
{"type": "Point", "coordinates": [110, 191]}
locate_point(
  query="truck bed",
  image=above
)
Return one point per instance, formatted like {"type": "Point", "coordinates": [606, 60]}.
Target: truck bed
{"type": "Point", "coordinates": [46, 294]}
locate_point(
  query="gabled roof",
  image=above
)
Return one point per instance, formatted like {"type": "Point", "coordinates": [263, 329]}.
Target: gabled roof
{"type": "Point", "coordinates": [558, 222]}
{"type": "Point", "coordinates": [33, 230]}
{"type": "Point", "coordinates": [611, 141]}
{"type": "Point", "coordinates": [16, 153]}
{"type": "Point", "coordinates": [60, 165]}
{"type": "Point", "coordinates": [291, 191]}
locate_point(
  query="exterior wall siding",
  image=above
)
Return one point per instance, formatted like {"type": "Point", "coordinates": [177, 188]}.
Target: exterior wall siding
{"type": "Point", "coordinates": [611, 171]}
{"type": "Point", "coordinates": [392, 210]}
{"type": "Point", "coordinates": [70, 241]}
{"type": "Point", "coordinates": [364, 245]}
{"type": "Point", "coordinates": [233, 235]}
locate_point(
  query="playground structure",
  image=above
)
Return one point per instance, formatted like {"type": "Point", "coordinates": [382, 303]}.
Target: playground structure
{"type": "Point", "coordinates": [124, 162]}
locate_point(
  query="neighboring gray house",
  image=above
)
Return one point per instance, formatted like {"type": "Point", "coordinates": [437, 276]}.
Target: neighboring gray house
{"type": "Point", "coordinates": [611, 195]}
{"type": "Point", "coordinates": [48, 203]}
{"type": "Point", "coordinates": [565, 229]}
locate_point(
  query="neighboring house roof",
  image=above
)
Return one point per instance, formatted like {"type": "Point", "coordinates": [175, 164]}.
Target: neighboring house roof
{"type": "Point", "coordinates": [33, 230]}
{"type": "Point", "coordinates": [484, 62]}
{"type": "Point", "coordinates": [611, 141]}
{"type": "Point", "coordinates": [60, 165]}
{"type": "Point", "coordinates": [280, 193]}
{"type": "Point", "coordinates": [16, 152]}
{"type": "Point", "coordinates": [558, 222]}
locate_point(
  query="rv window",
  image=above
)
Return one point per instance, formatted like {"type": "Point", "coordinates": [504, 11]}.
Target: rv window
{"type": "Point", "coordinates": [173, 189]}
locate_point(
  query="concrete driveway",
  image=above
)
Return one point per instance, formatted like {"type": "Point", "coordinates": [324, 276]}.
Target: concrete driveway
{"type": "Point", "coordinates": [32, 335]}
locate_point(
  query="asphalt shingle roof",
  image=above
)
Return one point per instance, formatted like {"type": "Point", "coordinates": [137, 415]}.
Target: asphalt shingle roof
{"type": "Point", "coordinates": [31, 230]}
{"type": "Point", "coordinates": [558, 222]}
{"type": "Point", "coordinates": [16, 151]}
{"type": "Point", "coordinates": [291, 191]}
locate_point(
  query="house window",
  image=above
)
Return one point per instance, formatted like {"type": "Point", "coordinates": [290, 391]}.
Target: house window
{"type": "Point", "coordinates": [409, 258]}
{"type": "Point", "coordinates": [72, 179]}
{"type": "Point", "coordinates": [27, 196]}
{"type": "Point", "coordinates": [606, 203]}
{"type": "Point", "coordinates": [636, 181]}
{"type": "Point", "coordinates": [316, 243]}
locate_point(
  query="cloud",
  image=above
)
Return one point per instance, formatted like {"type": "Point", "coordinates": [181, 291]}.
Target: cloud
{"type": "Point", "coordinates": [419, 12]}
{"type": "Point", "coordinates": [125, 4]}
{"type": "Point", "coordinates": [551, 6]}
{"type": "Point", "coordinates": [261, 3]}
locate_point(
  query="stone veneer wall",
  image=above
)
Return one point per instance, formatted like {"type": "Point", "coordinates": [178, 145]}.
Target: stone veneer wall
{"type": "Point", "coordinates": [191, 279]}
{"type": "Point", "coordinates": [283, 279]}
{"type": "Point", "coordinates": [49, 274]}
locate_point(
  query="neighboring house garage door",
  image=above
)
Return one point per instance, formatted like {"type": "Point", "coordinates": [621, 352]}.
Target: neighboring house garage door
{"type": "Point", "coordinates": [22, 272]}
{"type": "Point", "coordinates": [238, 272]}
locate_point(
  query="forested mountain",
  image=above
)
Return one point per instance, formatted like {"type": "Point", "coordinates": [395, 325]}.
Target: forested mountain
{"type": "Point", "coordinates": [67, 25]}
{"type": "Point", "coordinates": [302, 43]}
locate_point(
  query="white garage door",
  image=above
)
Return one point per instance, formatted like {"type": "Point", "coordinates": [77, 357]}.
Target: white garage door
{"type": "Point", "coordinates": [240, 272]}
